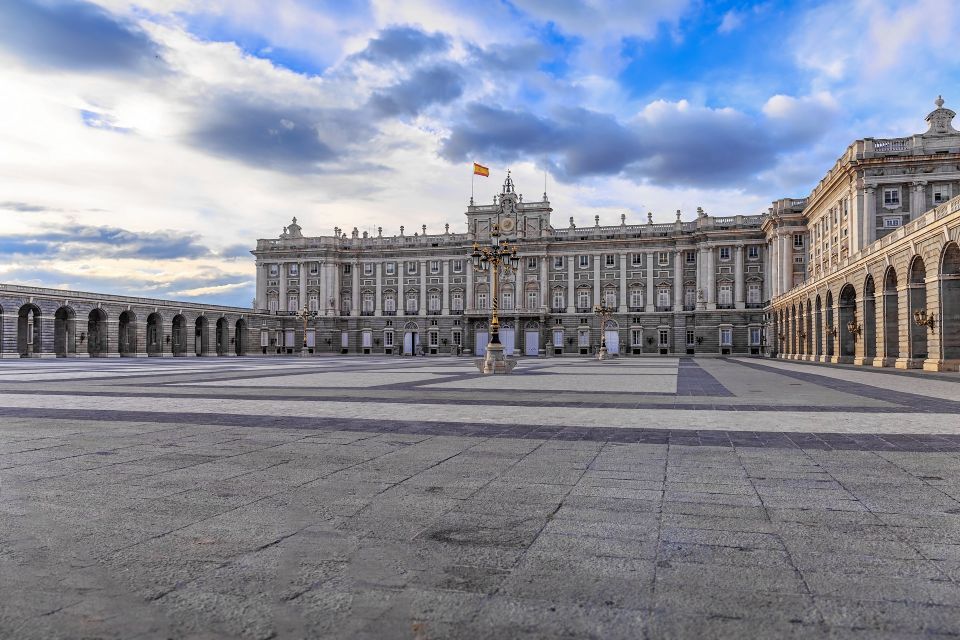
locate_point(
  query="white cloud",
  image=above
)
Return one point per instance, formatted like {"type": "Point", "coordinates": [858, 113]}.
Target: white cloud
{"type": "Point", "coordinates": [732, 20]}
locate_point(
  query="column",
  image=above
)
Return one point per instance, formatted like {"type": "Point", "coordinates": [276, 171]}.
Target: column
{"type": "Point", "coordinates": [303, 284]}
{"type": "Point", "coordinates": [519, 300]}
{"type": "Point", "coordinates": [423, 287]}
{"type": "Point", "coordinates": [282, 302]}
{"type": "Point", "coordinates": [355, 289]}
{"type": "Point", "coordinates": [678, 280]}
{"type": "Point", "coordinates": [469, 296]}
{"type": "Point", "coordinates": [323, 292]}
{"type": "Point", "coordinates": [869, 222]}
{"type": "Point", "coordinates": [701, 281]}
{"type": "Point", "coordinates": [649, 308]}
{"type": "Point", "coordinates": [262, 286]}
{"type": "Point", "coordinates": [774, 266]}
{"type": "Point", "coordinates": [786, 262]}
{"type": "Point", "coordinates": [711, 278]}
{"type": "Point", "coordinates": [765, 261]}
{"type": "Point", "coordinates": [596, 278]}
{"type": "Point", "coordinates": [445, 270]}
{"type": "Point", "coordinates": [401, 290]}
{"type": "Point", "coordinates": [378, 296]}
{"type": "Point", "coordinates": [544, 282]}
{"type": "Point", "coordinates": [623, 283]}
{"type": "Point", "coordinates": [738, 283]}
{"type": "Point", "coordinates": [571, 283]}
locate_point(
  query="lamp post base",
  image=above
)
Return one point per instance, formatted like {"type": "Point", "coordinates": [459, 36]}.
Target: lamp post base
{"type": "Point", "coordinates": [603, 354]}
{"type": "Point", "coordinates": [495, 362]}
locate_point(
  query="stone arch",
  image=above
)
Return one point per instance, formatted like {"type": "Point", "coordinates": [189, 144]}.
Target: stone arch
{"type": "Point", "coordinates": [818, 326]}
{"type": "Point", "coordinates": [949, 320]}
{"type": "Point", "coordinates": [847, 319]}
{"type": "Point", "coordinates": [97, 339]}
{"type": "Point", "coordinates": [891, 315]}
{"type": "Point", "coordinates": [869, 322]}
{"type": "Point", "coordinates": [916, 301]}
{"type": "Point", "coordinates": [178, 336]}
{"type": "Point", "coordinates": [155, 335]}
{"type": "Point", "coordinates": [29, 330]}
{"type": "Point", "coordinates": [201, 336]}
{"type": "Point", "coordinates": [830, 326]}
{"type": "Point", "coordinates": [64, 332]}
{"type": "Point", "coordinates": [532, 325]}
{"type": "Point", "coordinates": [223, 336]}
{"type": "Point", "coordinates": [127, 333]}
{"type": "Point", "coordinates": [240, 337]}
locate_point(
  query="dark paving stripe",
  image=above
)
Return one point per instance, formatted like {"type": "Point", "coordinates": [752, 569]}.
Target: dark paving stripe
{"type": "Point", "coordinates": [692, 380]}
{"type": "Point", "coordinates": [694, 438]}
{"type": "Point", "coordinates": [924, 404]}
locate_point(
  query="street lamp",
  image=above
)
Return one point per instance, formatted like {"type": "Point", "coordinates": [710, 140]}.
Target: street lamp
{"type": "Point", "coordinates": [500, 258]}
{"type": "Point", "coordinates": [305, 314]}
{"type": "Point", "coordinates": [603, 312]}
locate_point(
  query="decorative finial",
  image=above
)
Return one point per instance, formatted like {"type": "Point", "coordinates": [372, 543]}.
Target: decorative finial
{"type": "Point", "coordinates": [678, 215]}
{"type": "Point", "coordinates": [572, 226]}
{"type": "Point", "coordinates": [401, 230]}
{"type": "Point", "coordinates": [649, 217]}
{"type": "Point", "coordinates": [446, 228]}
{"type": "Point", "coordinates": [939, 102]}
{"type": "Point", "coordinates": [295, 217]}
{"type": "Point", "coordinates": [596, 221]}
{"type": "Point", "coordinates": [623, 219]}
{"type": "Point", "coordinates": [424, 229]}
{"type": "Point", "coordinates": [379, 232]}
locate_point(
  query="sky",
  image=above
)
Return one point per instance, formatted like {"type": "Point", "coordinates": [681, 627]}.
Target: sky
{"type": "Point", "coordinates": [146, 145]}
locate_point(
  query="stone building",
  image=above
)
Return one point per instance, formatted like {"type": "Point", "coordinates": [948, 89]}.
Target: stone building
{"type": "Point", "coordinates": [877, 267]}
{"type": "Point", "coordinates": [694, 286]}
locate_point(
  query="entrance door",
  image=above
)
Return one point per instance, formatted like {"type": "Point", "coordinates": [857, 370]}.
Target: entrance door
{"type": "Point", "coordinates": [613, 341]}
{"type": "Point", "coordinates": [408, 344]}
{"type": "Point", "coordinates": [483, 338]}
{"type": "Point", "coordinates": [508, 338]}
{"type": "Point", "coordinates": [531, 343]}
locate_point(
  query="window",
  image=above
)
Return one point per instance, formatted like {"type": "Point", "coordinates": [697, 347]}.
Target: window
{"type": "Point", "coordinates": [691, 338]}
{"type": "Point", "coordinates": [434, 301]}
{"type": "Point", "coordinates": [367, 303]}
{"type": "Point", "coordinates": [753, 252]}
{"type": "Point", "coordinates": [314, 268]}
{"type": "Point", "coordinates": [724, 253]}
{"type": "Point", "coordinates": [558, 262]}
{"type": "Point", "coordinates": [798, 259]}
{"type": "Point", "coordinates": [273, 304]}
{"type": "Point", "coordinates": [411, 303]}
{"type": "Point", "coordinates": [558, 299]}
{"type": "Point", "coordinates": [664, 337]}
{"type": "Point", "coordinates": [507, 299]}
{"type": "Point", "coordinates": [456, 338]}
{"type": "Point", "coordinates": [583, 299]}
{"type": "Point", "coordinates": [941, 193]}
{"type": "Point", "coordinates": [388, 338]}
{"type": "Point", "coordinates": [274, 270]}
{"type": "Point", "coordinates": [753, 293]}
{"type": "Point", "coordinates": [411, 267]}
{"type": "Point", "coordinates": [293, 302]}
{"type": "Point", "coordinates": [434, 266]}
{"type": "Point", "coordinates": [725, 295]}
{"type": "Point", "coordinates": [636, 259]}
{"type": "Point", "coordinates": [481, 300]}
{"type": "Point", "coordinates": [754, 336]}
{"type": "Point", "coordinates": [345, 305]}
{"type": "Point", "coordinates": [636, 298]}
{"type": "Point", "coordinates": [390, 268]}
{"type": "Point", "coordinates": [636, 337]}
{"type": "Point", "coordinates": [434, 338]}
{"type": "Point", "coordinates": [691, 257]}
{"type": "Point", "coordinates": [558, 338]}
{"type": "Point", "coordinates": [313, 304]}
{"type": "Point", "coordinates": [533, 300]}
{"type": "Point", "coordinates": [726, 336]}
{"type": "Point", "coordinates": [610, 260]}
{"type": "Point", "coordinates": [664, 258]}
{"type": "Point", "coordinates": [368, 268]}
{"type": "Point", "coordinates": [610, 297]}
{"type": "Point", "coordinates": [890, 223]}
{"type": "Point", "coordinates": [583, 338]}
{"type": "Point", "coordinates": [346, 269]}
{"type": "Point", "coordinates": [457, 266]}
{"type": "Point", "coordinates": [798, 241]}
{"type": "Point", "coordinates": [293, 269]}
{"type": "Point", "coordinates": [689, 297]}
{"type": "Point", "coordinates": [458, 301]}
{"type": "Point", "coordinates": [531, 263]}
{"type": "Point", "coordinates": [584, 261]}
{"type": "Point", "coordinates": [891, 198]}
{"type": "Point", "coordinates": [390, 303]}
{"type": "Point", "coordinates": [663, 297]}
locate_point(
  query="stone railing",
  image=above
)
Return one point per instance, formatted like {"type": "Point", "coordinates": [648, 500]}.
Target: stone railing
{"type": "Point", "coordinates": [69, 294]}
{"type": "Point", "coordinates": [892, 144]}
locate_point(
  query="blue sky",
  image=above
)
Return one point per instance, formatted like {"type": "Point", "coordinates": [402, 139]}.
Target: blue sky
{"type": "Point", "coordinates": [147, 145]}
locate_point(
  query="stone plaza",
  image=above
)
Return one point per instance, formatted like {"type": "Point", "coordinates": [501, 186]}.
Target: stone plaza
{"type": "Point", "coordinates": [373, 497]}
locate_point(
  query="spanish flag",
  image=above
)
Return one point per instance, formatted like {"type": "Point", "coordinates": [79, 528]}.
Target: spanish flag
{"type": "Point", "coordinates": [480, 170]}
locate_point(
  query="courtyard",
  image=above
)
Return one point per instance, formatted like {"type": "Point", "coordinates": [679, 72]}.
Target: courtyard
{"type": "Point", "coordinates": [411, 498]}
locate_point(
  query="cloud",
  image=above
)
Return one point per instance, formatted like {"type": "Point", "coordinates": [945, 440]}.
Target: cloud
{"type": "Point", "coordinates": [75, 36]}
{"type": "Point", "coordinates": [732, 20]}
{"type": "Point", "coordinates": [425, 87]}
{"type": "Point", "coordinates": [75, 241]}
{"type": "Point", "coordinates": [402, 44]}
{"type": "Point", "coordinates": [23, 207]}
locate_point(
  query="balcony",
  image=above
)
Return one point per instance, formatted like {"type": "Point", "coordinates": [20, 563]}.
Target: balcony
{"type": "Point", "coordinates": [637, 309]}
{"type": "Point", "coordinates": [724, 306]}
{"type": "Point", "coordinates": [664, 309]}
{"type": "Point", "coordinates": [558, 309]}
{"type": "Point", "coordinates": [366, 312]}
{"type": "Point", "coordinates": [754, 305]}
{"type": "Point", "coordinates": [456, 312]}
{"type": "Point", "coordinates": [584, 309]}
{"type": "Point", "coordinates": [390, 313]}
{"type": "Point", "coordinates": [689, 307]}
{"type": "Point", "coordinates": [433, 312]}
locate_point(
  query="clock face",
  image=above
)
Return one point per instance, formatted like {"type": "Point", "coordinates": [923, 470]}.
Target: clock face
{"type": "Point", "coordinates": [507, 225]}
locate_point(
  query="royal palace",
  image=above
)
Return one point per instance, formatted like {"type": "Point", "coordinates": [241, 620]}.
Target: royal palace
{"type": "Point", "coordinates": [865, 270]}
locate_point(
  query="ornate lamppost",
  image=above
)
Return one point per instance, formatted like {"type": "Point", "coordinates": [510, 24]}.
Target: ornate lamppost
{"type": "Point", "coordinates": [305, 314]}
{"type": "Point", "coordinates": [603, 312]}
{"type": "Point", "coordinates": [499, 258]}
